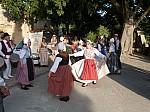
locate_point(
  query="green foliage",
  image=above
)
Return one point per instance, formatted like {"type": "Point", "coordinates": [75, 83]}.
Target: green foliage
{"type": "Point", "coordinates": [91, 36]}
{"type": "Point", "coordinates": [81, 13]}
{"type": "Point", "coordinates": [19, 9]}
{"type": "Point", "coordinates": [29, 9]}
{"type": "Point", "coordinates": [101, 31]}
{"type": "Point", "coordinates": [145, 26]}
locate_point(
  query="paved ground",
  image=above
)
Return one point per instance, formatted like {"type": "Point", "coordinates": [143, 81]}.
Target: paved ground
{"type": "Point", "coordinates": [128, 92]}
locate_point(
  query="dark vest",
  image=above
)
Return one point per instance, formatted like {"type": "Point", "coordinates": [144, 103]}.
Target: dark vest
{"type": "Point", "coordinates": [65, 61]}
{"type": "Point", "coordinates": [4, 49]}
{"type": "Point", "coordinates": [119, 48]}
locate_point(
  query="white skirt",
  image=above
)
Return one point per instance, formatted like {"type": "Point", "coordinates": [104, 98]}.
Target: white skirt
{"type": "Point", "coordinates": [77, 69]}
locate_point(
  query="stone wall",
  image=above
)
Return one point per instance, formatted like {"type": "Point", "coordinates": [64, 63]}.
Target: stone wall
{"type": "Point", "coordinates": [17, 31]}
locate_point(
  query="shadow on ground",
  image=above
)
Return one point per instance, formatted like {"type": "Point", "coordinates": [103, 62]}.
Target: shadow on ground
{"type": "Point", "coordinates": [135, 79]}
{"type": "Point", "coordinates": [38, 100]}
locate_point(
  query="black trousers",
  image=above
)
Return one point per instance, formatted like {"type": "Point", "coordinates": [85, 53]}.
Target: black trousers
{"type": "Point", "coordinates": [119, 62]}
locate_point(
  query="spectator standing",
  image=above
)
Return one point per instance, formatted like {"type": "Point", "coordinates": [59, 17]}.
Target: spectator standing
{"type": "Point", "coordinates": [54, 43]}
{"type": "Point", "coordinates": [112, 61]}
{"type": "Point", "coordinates": [43, 53]}
{"type": "Point", "coordinates": [61, 44]}
{"type": "Point", "coordinates": [117, 44]}
{"type": "Point", "coordinates": [5, 52]}
{"type": "Point", "coordinates": [25, 69]}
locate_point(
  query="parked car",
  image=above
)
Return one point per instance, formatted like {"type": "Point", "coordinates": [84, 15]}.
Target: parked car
{"type": "Point", "coordinates": [35, 56]}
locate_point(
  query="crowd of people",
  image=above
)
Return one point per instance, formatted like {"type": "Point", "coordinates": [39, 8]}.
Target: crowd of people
{"type": "Point", "coordinates": [86, 63]}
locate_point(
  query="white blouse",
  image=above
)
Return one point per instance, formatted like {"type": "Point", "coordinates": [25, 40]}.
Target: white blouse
{"type": "Point", "coordinates": [60, 46]}
{"type": "Point", "coordinates": [55, 65]}
{"type": "Point", "coordinates": [89, 53]}
{"type": "Point", "coordinates": [25, 53]}
{"type": "Point", "coordinates": [112, 48]}
{"type": "Point", "coordinates": [99, 47]}
{"type": "Point", "coordinates": [8, 49]}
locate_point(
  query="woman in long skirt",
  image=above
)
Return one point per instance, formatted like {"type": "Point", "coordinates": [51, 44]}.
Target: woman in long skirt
{"type": "Point", "coordinates": [53, 44]}
{"type": "Point", "coordinates": [112, 61]}
{"type": "Point", "coordinates": [25, 69]}
{"type": "Point", "coordinates": [43, 53]}
{"type": "Point", "coordinates": [60, 77]}
{"type": "Point", "coordinates": [86, 70]}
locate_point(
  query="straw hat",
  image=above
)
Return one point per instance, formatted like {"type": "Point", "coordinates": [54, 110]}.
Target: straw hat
{"type": "Point", "coordinates": [43, 37]}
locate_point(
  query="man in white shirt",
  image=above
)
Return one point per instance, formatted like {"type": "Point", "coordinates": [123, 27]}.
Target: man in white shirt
{"type": "Point", "coordinates": [61, 44]}
{"type": "Point", "coordinates": [5, 52]}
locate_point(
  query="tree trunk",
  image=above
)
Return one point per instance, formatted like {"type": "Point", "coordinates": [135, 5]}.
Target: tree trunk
{"type": "Point", "coordinates": [67, 28]}
{"type": "Point", "coordinates": [127, 38]}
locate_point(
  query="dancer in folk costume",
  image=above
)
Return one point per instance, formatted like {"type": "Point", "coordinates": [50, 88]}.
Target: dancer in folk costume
{"type": "Point", "coordinates": [74, 45]}
{"type": "Point", "coordinates": [43, 53]}
{"type": "Point", "coordinates": [60, 76]}
{"type": "Point", "coordinates": [79, 48]}
{"type": "Point", "coordinates": [25, 70]}
{"type": "Point", "coordinates": [112, 61]}
{"type": "Point", "coordinates": [89, 69]}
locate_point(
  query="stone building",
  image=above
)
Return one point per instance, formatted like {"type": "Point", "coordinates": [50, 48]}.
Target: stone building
{"type": "Point", "coordinates": [17, 31]}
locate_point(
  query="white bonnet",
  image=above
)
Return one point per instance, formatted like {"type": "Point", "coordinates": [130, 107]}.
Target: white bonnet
{"type": "Point", "coordinates": [112, 40]}
{"type": "Point", "coordinates": [61, 38]}
{"type": "Point", "coordinates": [80, 41]}
{"type": "Point", "coordinates": [25, 41]}
{"type": "Point", "coordinates": [90, 42]}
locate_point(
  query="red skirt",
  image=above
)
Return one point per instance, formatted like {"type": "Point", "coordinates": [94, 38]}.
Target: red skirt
{"type": "Point", "coordinates": [61, 82]}
{"type": "Point", "coordinates": [89, 70]}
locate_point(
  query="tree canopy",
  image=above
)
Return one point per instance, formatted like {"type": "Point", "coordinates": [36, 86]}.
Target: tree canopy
{"type": "Point", "coordinates": [86, 15]}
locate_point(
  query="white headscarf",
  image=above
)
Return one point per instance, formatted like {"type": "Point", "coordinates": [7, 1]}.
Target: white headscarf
{"type": "Point", "coordinates": [112, 40]}
{"type": "Point", "coordinates": [80, 42]}
{"type": "Point", "coordinates": [61, 38]}
{"type": "Point", "coordinates": [90, 42]}
{"type": "Point", "coordinates": [25, 41]}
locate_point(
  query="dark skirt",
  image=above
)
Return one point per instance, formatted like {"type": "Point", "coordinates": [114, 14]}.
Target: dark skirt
{"type": "Point", "coordinates": [112, 63]}
{"type": "Point", "coordinates": [30, 66]}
